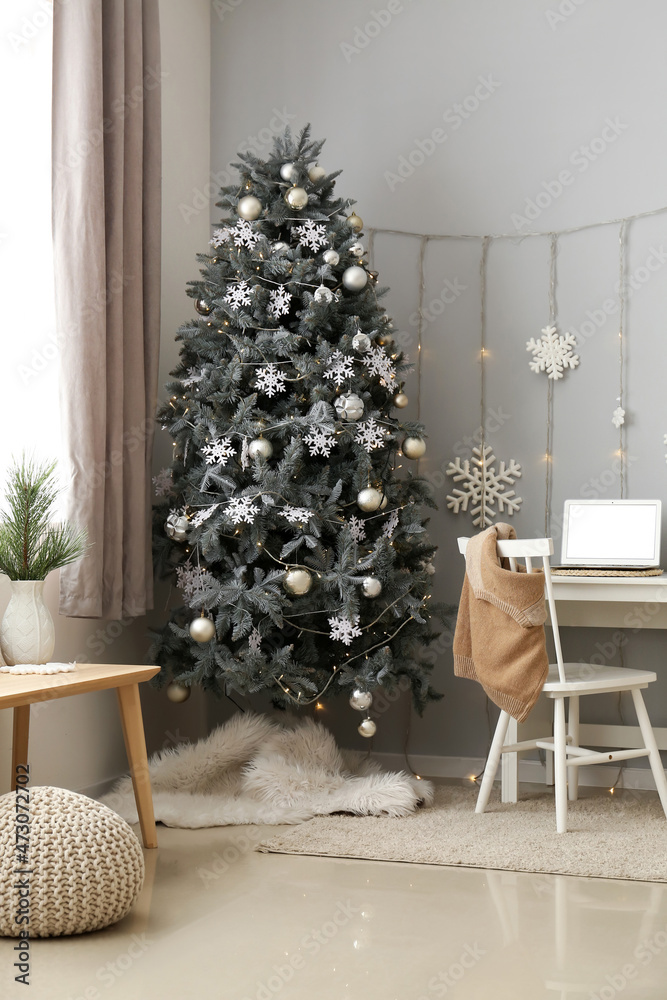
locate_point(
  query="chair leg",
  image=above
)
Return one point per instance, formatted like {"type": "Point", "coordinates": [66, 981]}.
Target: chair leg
{"type": "Point", "coordinates": [509, 766]}
{"type": "Point", "coordinates": [651, 746]}
{"type": "Point", "coordinates": [492, 763]}
{"type": "Point", "coordinates": [560, 765]}
{"type": "Point", "coordinates": [573, 732]}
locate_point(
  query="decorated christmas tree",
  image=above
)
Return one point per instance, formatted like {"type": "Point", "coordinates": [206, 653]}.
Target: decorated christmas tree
{"type": "Point", "coordinates": [288, 516]}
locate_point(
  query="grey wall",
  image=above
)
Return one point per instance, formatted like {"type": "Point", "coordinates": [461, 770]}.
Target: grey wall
{"type": "Point", "coordinates": [374, 91]}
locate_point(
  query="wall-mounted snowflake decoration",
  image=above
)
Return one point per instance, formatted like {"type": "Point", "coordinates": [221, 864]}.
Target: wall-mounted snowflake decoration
{"type": "Point", "coordinates": [238, 295]}
{"type": "Point", "coordinates": [320, 441]}
{"type": "Point", "coordinates": [270, 380]}
{"type": "Point", "coordinates": [218, 451]}
{"type": "Point", "coordinates": [618, 417]}
{"type": "Point", "coordinates": [279, 302]}
{"type": "Point", "coordinates": [552, 352]}
{"type": "Point", "coordinates": [311, 235]}
{"type": "Point", "coordinates": [483, 486]}
{"type": "Point", "coordinates": [344, 629]}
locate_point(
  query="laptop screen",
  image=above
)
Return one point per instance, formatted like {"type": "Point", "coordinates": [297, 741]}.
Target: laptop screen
{"type": "Point", "coordinates": [611, 533]}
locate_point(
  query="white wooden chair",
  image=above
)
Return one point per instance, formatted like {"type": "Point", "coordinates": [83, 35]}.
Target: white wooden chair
{"type": "Point", "coordinates": [569, 681]}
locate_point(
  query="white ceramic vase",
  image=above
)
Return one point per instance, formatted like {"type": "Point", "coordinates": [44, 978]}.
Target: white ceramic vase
{"type": "Point", "coordinates": [27, 634]}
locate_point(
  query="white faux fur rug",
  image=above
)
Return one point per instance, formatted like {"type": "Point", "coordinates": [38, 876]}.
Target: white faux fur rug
{"type": "Point", "coordinates": [251, 770]}
{"type": "Point", "coordinates": [620, 836]}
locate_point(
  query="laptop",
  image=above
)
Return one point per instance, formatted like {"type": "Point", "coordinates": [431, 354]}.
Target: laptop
{"type": "Point", "coordinates": [611, 534]}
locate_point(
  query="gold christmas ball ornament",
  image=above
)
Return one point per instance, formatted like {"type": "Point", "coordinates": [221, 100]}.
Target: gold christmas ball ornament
{"type": "Point", "coordinates": [298, 582]}
{"type": "Point", "coordinates": [289, 172]}
{"type": "Point", "coordinates": [249, 208]}
{"type": "Point", "coordinates": [354, 278]}
{"type": "Point", "coordinates": [413, 447]}
{"type": "Point", "coordinates": [203, 307]}
{"type": "Point", "coordinates": [384, 502]}
{"type": "Point", "coordinates": [202, 629]}
{"type": "Point", "coordinates": [369, 498]}
{"type": "Point", "coordinates": [355, 222]}
{"type": "Point", "coordinates": [360, 700]}
{"type": "Point", "coordinates": [367, 728]}
{"type": "Point", "coordinates": [260, 448]}
{"type": "Point", "coordinates": [297, 198]}
{"type": "Point", "coordinates": [316, 173]}
{"type": "Point", "coordinates": [371, 586]}
{"type": "Point", "coordinates": [177, 692]}
{"type": "Point", "coordinates": [349, 406]}
{"type": "Point", "coordinates": [330, 257]}
{"type": "Point", "coordinates": [176, 527]}
{"type": "Point", "coordinates": [361, 342]}
{"type": "Point", "coordinates": [401, 400]}
{"type": "Point", "coordinates": [357, 249]}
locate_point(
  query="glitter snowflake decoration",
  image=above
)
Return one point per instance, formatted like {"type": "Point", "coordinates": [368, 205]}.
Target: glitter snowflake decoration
{"type": "Point", "coordinates": [483, 486]}
{"type": "Point", "coordinates": [618, 417]}
{"type": "Point", "coordinates": [295, 514]}
{"type": "Point", "coordinates": [391, 525]}
{"type": "Point", "coordinates": [238, 295]}
{"type": "Point", "coordinates": [320, 441]}
{"type": "Point", "coordinates": [370, 435]}
{"type": "Point", "coordinates": [357, 528]}
{"type": "Point", "coordinates": [270, 380]}
{"type": "Point", "coordinates": [203, 515]}
{"type": "Point", "coordinates": [254, 641]}
{"type": "Point", "coordinates": [218, 451]}
{"type": "Point", "coordinates": [163, 482]}
{"type": "Point", "coordinates": [344, 629]}
{"type": "Point", "coordinates": [192, 581]}
{"type": "Point", "coordinates": [339, 367]}
{"type": "Point", "coordinates": [279, 302]}
{"type": "Point", "coordinates": [552, 352]}
{"type": "Point", "coordinates": [242, 509]}
{"type": "Point", "coordinates": [244, 235]}
{"type": "Point", "coordinates": [378, 363]}
{"type": "Point", "coordinates": [311, 235]}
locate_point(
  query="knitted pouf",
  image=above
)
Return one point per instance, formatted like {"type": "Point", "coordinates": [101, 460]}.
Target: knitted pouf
{"type": "Point", "coordinates": [85, 864]}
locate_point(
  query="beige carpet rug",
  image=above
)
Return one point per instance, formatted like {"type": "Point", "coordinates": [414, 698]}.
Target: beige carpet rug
{"type": "Point", "coordinates": [619, 836]}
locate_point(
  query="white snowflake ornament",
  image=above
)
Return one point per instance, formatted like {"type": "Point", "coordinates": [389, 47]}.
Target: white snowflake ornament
{"type": "Point", "coordinates": [339, 367]}
{"type": "Point", "coordinates": [203, 515]}
{"type": "Point", "coordinates": [254, 641]}
{"type": "Point", "coordinates": [242, 509]}
{"type": "Point", "coordinates": [163, 482]}
{"type": "Point", "coordinates": [218, 451]}
{"type": "Point", "coordinates": [279, 302]}
{"type": "Point", "coordinates": [378, 363]}
{"type": "Point", "coordinates": [483, 486]}
{"type": "Point", "coordinates": [191, 581]}
{"type": "Point", "coordinates": [295, 514]}
{"type": "Point", "coordinates": [311, 235]}
{"type": "Point", "coordinates": [344, 629]}
{"type": "Point", "coordinates": [391, 525]}
{"type": "Point", "coordinates": [370, 435]}
{"type": "Point", "coordinates": [320, 441]}
{"type": "Point", "coordinates": [618, 417]}
{"type": "Point", "coordinates": [220, 236]}
{"type": "Point", "coordinates": [244, 235]}
{"type": "Point", "coordinates": [270, 380]}
{"type": "Point", "coordinates": [238, 295]}
{"type": "Point", "coordinates": [552, 352]}
{"type": "Point", "coordinates": [357, 528]}
{"type": "Point", "coordinates": [193, 377]}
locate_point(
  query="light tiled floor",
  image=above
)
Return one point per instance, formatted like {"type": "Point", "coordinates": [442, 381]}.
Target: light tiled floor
{"type": "Point", "coordinates": [219, 921]}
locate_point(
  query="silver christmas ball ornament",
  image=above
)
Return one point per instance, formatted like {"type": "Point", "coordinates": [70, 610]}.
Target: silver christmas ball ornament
{"type": "Point", "coordinates": [202, 629]}
{"type": "Point", "coordinates": [371, 586]}
{"type": "Point", "coordinates": [349, 406]}
{"type": "Point", "coordinates": [367, 728]}
{"type": "Point", "coordinates": [354, 278]}
{"type": "Point", "coordinates": [260, 448]}
{"type": "Point", "coordinates": [249, 208]}
{"type": "Point", "coordinates": [330, 257]}
{"type": "Point", "coordinates": [357, 249]}
{"type": "Point", "coordinates": [177, 692]}
{"type": "Point", "coordinates": [401, 400]}
{"type": "Point", "coordinates": [355, 222]}
{"type": "Point", "coordinates": [289, 171]}
{"type": "Point", "coordinates": [413, 447]}
{"type": "Point", "coordinates": [361, 342]}
{"type": "Point", "coordinates": [360, 700]}
{"type": "Point", "coordinates": [176, 527]}
{"type": "Point", "coordinates": [323, 294]}
{"type": "Point", "coordinates": [316, 173]}
{"type": "Point", "coordinates": [279, 247]}
{"type": "Point", "coordinates": [203, 307]}
{"type": "Point", "coordinates": [297, 581]}
{"type": "Point", "coordinates": [369, 498]}
{"type": "Point", "coordinates": [297, 198]}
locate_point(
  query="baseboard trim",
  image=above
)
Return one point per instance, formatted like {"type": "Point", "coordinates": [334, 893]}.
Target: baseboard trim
{"type": "Point", "coordinates": [596, 775]}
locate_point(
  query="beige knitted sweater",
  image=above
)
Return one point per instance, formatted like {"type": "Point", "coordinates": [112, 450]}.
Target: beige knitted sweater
{"type": "Point", "coordinates": [499, 639]}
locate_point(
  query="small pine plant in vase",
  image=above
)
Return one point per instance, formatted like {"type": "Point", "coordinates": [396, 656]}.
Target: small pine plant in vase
{"type": "Point", "coordinates": [32, 545]}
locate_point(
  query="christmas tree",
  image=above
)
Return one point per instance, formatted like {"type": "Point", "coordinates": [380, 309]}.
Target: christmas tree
{"type": "Point", "coordinates": [298, 546]}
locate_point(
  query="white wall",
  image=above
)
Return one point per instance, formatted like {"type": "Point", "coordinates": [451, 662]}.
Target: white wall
{"type": "Point", "coordinates": [376, 86]}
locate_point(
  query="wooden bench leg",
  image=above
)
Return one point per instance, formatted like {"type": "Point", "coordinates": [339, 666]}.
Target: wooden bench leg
{"type": "Point", "coordinates": [20, 739]}
{"type": "Point", "coordinates": [135, 745]}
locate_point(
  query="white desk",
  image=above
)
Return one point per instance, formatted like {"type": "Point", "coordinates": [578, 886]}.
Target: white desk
{"type": "Point", "coordinates": [631, 603]}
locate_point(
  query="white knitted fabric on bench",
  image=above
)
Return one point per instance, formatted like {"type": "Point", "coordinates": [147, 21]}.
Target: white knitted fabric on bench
{"type": "Point", "coordinates": [86, 862]}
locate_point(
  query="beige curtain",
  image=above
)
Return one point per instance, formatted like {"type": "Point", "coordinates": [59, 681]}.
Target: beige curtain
{"type": "Point", "coordinates": [106, 230]}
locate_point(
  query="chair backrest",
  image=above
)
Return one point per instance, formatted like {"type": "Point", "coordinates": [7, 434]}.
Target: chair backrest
{"type": "Point", "coordinates": [529, 549]}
